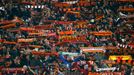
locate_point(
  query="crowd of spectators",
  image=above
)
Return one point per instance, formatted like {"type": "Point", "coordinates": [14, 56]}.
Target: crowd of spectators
{"type": "Point", "coordinates": [19, 55]}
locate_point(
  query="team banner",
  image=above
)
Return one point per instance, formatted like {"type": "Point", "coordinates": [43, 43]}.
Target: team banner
{"type": "Point", "coordinates": [28, 29]}
{"type": "Point", "coordinates": [107, 69]}
{"type": "Point", "coordinates": [1, 40]}
{"type": "Point", "coordinates": [26, 40]}
{"type": "Point", "coordinates": [7, 42]}
{"type": "Point", "coordinates": [84, 26]}
{"type": "Point", "coordinates": [102, 33]}
{"type": "Point", "coordinates": [35, 46]}
{"type": "Point", "coordinates": [14, 70]}
{"type": "Point", "coordinates": [28, 2]}
{"type": "Point", "coordinates": [61, 4]}
{"type": "Point", "coordinates": [66, 32]}
{"type": "Point", "coordinates": [36, 33]}
{"type": "Point", "coordinates": [125, 0]}
{"type": "Point", "coordinates": [73, 38]}
{"type": "Point", "coordinates": [8, 26]}
{"type": "Point", "coordinates": [111, 47]}
{"type": "Point", "coordinates": [81, 22]}
{"type": "Point", "coordinates": [131, 45]}
{"type": "Point", "coordinates": [81, 26]}
{"type": "Point", "coordinates": [74, 13]}
{"type": "Point", "coordinates": [43, 53]}
{"type": "Point", "coordinates": [106, 73]}
{"type": "Point", "coordinates": [43, 27]}
{"type": "Point", "coordinates": [128, 17]}
{"type": "Point", "coordinates": [71, 9]}
{"type": "Point", "coordinates": [69, 53]}
{"type": "Point", "coordinates": [70, 2]}
{"type": "Point", "coordinates": [129, 21]}
{"type": "Point", "coordinates": [109, 61]}
{"type": "Point", "coordinates": [15, 20]}
{"type": "Point", "coordinates": [120, 57]}
{"type": "Point", "coordinates": [92, 49]}
{"type": "Point", "coordinates": [73, 42]}
{"type": "Point", "coordinates": [99, 17]}
{"type": "Point", "coordinates": [14, 30]}
{"type": "Point", "coordinates": [36, 28]}
{"type": "Point", "coordinates": [63, 22]}
{"type": "Point", "coordinates": [5, 22]}
{"type": "Point", "coordinates": [49, 21]}
{"type": "Point", "coordinates": [51, 34]}
{"type": "Point", "coordinates": [86, 3]}
{"type": "Point", "coordinates": [126, 9]}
